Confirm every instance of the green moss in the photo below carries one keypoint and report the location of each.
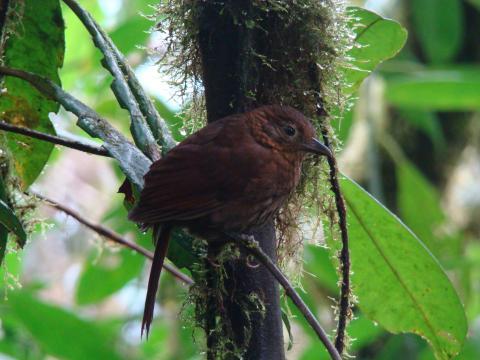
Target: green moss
(209, 288)
(288, 39)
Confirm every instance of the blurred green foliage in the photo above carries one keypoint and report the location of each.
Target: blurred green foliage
(376, 39)
(399, 284)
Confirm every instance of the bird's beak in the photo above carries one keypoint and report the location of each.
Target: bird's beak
(316, 147)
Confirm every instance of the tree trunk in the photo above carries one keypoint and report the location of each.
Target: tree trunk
(227, 62)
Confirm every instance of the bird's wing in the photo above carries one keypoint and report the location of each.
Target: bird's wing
(177, 187)
(187, 183)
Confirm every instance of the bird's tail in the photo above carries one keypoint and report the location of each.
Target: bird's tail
(161, 234)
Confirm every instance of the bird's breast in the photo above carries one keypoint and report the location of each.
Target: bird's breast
(265, 192)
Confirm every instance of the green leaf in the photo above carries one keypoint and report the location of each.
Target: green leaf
(342, 125)
(82, 69)
(439, 27)
(59, 332)
(35, 44)
(180, 250)
(107, 275)
(414, 189)
(288, 326)
(424, 220)
(10, 221)
(317, 262)
(471, 350)
(441, 90)
(173, 120)
(401, 347)
(398, 282)
(131, 33)
(3, 229)
(475, 3)
(3, 242)
(361, 331)
(377, 39)
(427, 122)
(11, 269)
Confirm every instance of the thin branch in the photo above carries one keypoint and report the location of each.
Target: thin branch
(252, 246)
(344, 257)
(141, 132)
(73, 144)
(345, 311)
(132, 161)
(109, 234)
(158, 126)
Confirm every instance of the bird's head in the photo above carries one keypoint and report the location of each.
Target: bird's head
(286, 129)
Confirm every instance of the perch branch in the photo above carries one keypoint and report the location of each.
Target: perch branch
(70, 143)
(121, 86)
(252, 246)
(344, 257)
(132, 161)
(109, 234)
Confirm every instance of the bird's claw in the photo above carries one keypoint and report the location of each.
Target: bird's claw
(247, 239)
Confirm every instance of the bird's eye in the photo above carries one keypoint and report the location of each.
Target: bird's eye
(290, 131)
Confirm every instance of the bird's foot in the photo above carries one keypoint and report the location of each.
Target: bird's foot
(251, 262)
(246, 239)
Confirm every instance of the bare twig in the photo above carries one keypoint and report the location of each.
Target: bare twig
(344, 257)
(252, 246)
(70, 143)
(109, 234)
(141, 132)
(132, 161)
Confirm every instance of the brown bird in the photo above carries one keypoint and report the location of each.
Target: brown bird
(228, 177)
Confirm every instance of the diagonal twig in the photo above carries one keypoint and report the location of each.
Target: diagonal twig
(58, 140)
(132, 161)
(111, 235)
(127, 89)
(252, 246)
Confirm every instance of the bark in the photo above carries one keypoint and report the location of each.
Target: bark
(227, 63)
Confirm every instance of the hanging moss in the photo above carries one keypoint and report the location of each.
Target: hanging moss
(283, 41)
(287, 38)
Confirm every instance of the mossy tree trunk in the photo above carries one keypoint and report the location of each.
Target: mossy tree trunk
(225, 47)
(256, 52)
